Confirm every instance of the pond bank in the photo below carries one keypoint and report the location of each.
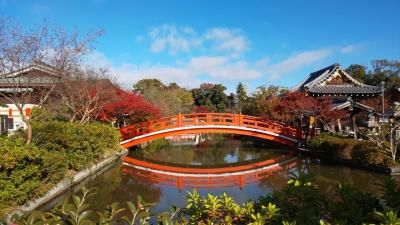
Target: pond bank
(392, 171)
(67, 183)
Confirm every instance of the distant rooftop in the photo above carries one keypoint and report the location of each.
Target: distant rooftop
(36, 74)
(323, 82)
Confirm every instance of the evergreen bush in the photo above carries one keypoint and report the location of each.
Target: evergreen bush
(26, 171)
(81, 145)
(365, 153)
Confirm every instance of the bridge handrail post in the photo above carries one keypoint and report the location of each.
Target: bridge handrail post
(208, 118)
(179, 120)
(240, 120)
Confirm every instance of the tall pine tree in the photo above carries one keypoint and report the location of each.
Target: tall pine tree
(241, 97)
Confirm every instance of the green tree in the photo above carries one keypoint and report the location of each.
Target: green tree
(232, 102)
(146, 84)
(389, 72)
(241, 97)
(171, 99)
(358, 72)
(211, 96)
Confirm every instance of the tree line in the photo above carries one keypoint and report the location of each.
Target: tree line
(78, 92)
(274, 102)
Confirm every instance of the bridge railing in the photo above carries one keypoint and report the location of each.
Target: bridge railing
(204, 119)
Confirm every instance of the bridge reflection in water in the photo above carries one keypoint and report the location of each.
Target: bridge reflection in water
(206, 178)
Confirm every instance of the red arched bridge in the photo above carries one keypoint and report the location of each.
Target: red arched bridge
(210, 123)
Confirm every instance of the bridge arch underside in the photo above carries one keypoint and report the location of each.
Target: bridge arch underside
(267, 135)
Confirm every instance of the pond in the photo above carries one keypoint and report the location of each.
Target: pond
(124, 183)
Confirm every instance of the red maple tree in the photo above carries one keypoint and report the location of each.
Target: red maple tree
(128, 107)
(296, 105)
(200, 109)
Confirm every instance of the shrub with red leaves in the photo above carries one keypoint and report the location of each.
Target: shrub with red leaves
(128, 107)
(200, 109)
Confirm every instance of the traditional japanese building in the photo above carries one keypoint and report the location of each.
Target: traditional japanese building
(27, 83)
(334, 81)
(343, 89)
(346, 93)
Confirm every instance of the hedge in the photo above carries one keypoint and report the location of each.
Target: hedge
(81, 145)
(26, 171)
(365, 153)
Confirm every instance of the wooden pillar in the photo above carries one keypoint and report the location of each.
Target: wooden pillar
(354, 127)
(339, 126)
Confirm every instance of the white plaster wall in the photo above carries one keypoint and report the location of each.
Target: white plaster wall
(18, 123)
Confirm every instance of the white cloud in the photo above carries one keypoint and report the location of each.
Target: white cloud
(350, 48)
(128, 74)
(220, 69)
(173, 39)
(189, 74)
(225, 39)
(296, 62)
(184, 39)
(262, 62)
(97, 59)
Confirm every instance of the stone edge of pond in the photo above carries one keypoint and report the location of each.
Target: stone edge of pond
(65, 184)
(393, 171)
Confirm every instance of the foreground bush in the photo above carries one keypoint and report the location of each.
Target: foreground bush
(26, 171)
(300, 203)
(81, 145)
(29, 171)
(362, 152)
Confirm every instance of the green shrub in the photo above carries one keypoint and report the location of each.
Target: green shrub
(81, 145)
(368, 153)
(26, 171)
(337, 147)
(365, 153)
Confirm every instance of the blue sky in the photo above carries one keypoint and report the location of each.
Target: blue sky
(254, 42)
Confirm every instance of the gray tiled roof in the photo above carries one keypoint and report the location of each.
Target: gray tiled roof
(25, 77)
(315, 83)
(345, 89)
(350, 103)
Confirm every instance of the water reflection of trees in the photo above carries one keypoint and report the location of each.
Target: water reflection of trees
(328, 175)
(276, 180)
(115, 186)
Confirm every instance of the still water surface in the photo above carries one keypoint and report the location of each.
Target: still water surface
(118, 185)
